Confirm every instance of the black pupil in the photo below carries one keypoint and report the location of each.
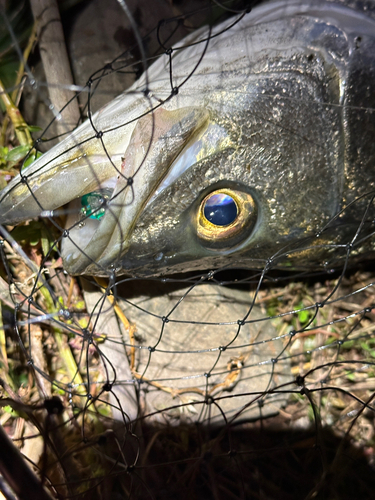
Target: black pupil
(220, 209)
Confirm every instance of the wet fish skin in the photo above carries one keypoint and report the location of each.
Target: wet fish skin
(282, 108)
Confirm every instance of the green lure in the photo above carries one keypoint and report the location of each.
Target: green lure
(94, 204)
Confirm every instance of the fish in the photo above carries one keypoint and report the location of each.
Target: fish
(250, 144)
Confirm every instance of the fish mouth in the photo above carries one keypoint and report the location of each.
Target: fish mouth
(95, 239)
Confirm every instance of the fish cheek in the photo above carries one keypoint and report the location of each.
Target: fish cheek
(186, 241)
(163, 249)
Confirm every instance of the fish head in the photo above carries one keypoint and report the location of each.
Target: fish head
(242, 166)
(189, 188)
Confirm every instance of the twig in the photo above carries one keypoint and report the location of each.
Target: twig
(17, 473)
(21, 70)
(3, 345)
(55, 61)
(39, 361)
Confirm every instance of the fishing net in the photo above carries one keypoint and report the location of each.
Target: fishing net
(222, 383)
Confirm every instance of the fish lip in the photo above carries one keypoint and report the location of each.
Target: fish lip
(46, 187)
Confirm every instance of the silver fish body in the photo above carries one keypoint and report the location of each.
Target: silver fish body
(273, 116)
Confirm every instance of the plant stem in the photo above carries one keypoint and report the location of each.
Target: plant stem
(20, 127)
(16, 94)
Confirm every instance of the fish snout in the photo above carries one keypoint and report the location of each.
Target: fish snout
(102, 187)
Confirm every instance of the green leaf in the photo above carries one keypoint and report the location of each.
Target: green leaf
(350, 376)
(364, 346)
(46, 245)
(31, 233)
(9, 409)
(331, 340)
(31, 159)
(4, 152)
(104, 410)
(303, 316)
(18, 153)
(34, 128)
(348, 344)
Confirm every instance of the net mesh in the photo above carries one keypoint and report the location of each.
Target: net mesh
(223, 383)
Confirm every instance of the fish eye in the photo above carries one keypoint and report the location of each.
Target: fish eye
(220, 209)
(93, 204)
(225, 218)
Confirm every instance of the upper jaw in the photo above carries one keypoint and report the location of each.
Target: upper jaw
(80, 163)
